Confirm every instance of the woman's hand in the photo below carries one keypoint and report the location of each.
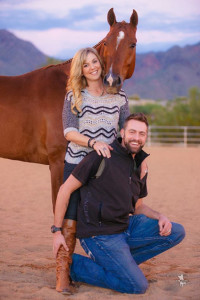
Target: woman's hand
(144, 168)
(102, 148)
(58, 240)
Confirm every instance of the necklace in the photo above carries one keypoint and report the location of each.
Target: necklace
(102, 92)
(98, 95)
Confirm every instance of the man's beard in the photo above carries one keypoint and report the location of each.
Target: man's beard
(131, 149)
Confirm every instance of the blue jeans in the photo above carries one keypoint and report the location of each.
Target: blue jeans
(114, 259)
(71, 212)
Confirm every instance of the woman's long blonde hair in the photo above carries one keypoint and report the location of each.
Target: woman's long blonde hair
(77, 80)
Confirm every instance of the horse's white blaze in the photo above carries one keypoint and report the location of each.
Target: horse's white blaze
(119, 38)
(110, 80)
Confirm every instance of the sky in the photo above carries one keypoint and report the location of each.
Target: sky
(59, 28)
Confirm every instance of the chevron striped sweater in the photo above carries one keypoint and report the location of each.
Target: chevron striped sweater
(101, 118)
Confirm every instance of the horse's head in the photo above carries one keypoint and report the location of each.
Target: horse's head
(117, 50)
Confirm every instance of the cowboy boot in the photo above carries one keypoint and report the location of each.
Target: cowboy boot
(64, 258)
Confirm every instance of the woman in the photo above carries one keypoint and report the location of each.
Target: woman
(91, 118)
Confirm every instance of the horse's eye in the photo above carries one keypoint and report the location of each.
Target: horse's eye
(105, 44)
(133, 45)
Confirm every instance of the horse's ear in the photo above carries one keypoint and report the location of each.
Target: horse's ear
(111, 17)
(134, 18)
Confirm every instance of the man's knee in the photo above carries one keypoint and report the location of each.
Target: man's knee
(179, 232)
(139, 287)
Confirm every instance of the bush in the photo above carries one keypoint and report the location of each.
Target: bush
(183, 111)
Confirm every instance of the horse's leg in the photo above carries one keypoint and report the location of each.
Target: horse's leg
(56, 169)
(55, 144)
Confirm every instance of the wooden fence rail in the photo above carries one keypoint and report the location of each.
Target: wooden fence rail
(174, 135)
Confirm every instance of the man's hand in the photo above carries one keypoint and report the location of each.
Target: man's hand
(165, 225)
(58, 240)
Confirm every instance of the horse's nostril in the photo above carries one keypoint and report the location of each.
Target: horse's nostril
(119, 81)
(105, 82)
(112, 80)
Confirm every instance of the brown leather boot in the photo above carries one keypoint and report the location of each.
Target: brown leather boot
(64, 259)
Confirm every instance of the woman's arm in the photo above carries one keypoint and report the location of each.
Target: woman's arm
(77, 138)
(100, 147)
(124, 110)
(144, 168)
(71, 130)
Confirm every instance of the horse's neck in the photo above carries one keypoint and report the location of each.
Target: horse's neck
(98, 46)
(65, 67)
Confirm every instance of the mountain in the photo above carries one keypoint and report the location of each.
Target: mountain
(165, 75)
(18, 56)
(158, 75)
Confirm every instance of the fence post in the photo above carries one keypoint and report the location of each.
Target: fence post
(185, 136)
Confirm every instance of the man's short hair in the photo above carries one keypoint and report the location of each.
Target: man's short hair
(136, 116)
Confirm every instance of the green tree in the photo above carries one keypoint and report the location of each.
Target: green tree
(52, 61)
(184, 111)
(194, 102)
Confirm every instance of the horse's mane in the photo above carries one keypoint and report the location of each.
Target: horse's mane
(98, 44)
(69, 60)
(58, 65)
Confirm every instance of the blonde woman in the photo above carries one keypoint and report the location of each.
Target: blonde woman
(91, 120)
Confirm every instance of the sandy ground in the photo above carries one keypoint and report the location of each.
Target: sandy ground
(26, 259)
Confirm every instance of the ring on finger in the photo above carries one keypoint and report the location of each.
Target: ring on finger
(104, 148)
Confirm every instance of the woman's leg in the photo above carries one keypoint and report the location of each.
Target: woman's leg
(64, 258)
(71, 212)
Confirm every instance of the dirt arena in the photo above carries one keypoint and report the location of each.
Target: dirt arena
(26, 259)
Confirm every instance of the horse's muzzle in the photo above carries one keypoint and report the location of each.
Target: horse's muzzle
(112, 83)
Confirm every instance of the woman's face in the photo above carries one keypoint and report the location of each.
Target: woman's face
(92, 68)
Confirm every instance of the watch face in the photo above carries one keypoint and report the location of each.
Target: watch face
(54, 228)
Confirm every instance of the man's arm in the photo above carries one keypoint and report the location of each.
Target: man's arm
(65, 191)
(163, 222)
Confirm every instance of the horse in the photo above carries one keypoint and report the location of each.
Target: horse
(31, 104)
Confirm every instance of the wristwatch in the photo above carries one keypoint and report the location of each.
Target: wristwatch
(55, 229)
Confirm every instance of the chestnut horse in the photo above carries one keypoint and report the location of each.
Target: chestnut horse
(31, 104)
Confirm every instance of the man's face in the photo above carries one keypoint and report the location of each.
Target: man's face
(134, 136)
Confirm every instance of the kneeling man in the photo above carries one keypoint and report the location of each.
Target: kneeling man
(116, 229)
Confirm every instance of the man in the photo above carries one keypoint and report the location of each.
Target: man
(116, 229)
